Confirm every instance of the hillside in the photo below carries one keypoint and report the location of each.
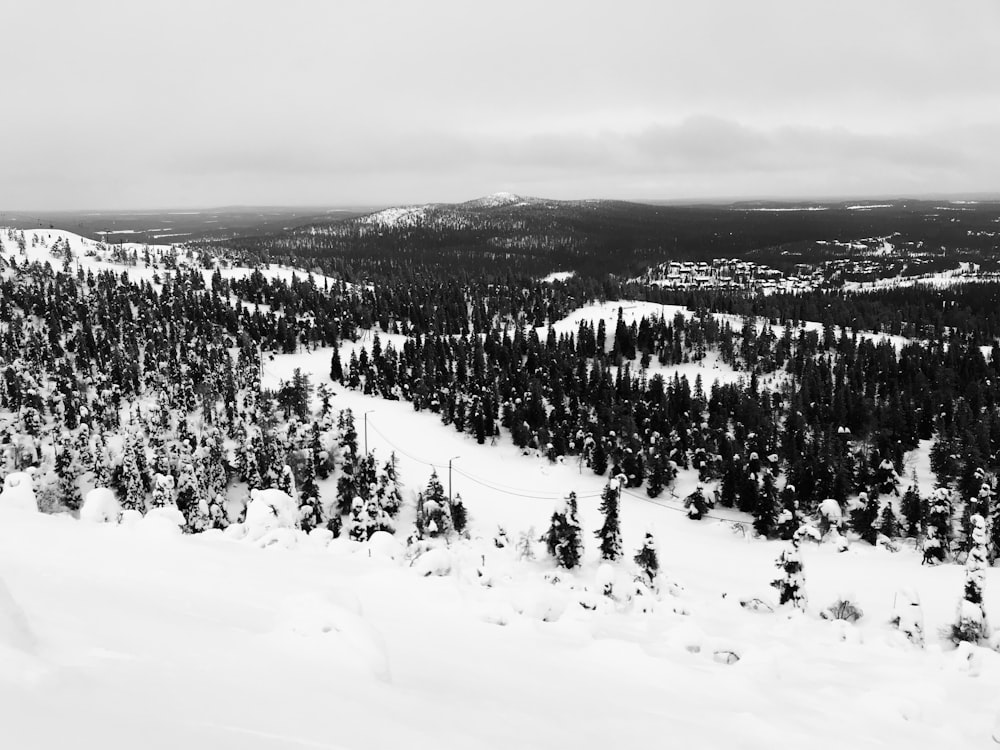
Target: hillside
(223, 484)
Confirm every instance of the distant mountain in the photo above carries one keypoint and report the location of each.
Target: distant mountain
(540, 235)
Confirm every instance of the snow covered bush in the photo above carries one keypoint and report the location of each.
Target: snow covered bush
(791, 583)
(697, 504)
(648, 562)
(908, 616)
(843, 609)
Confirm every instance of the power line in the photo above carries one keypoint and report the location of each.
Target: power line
(485, 483)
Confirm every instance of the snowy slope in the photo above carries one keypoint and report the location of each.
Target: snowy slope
(97, 257)
(143, 638)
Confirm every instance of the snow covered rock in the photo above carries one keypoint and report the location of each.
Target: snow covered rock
(18, 493)
(100, 506)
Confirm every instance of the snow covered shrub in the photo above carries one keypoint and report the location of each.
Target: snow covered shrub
(525, 545)
(697, 504)
(908, 616)
(648, 562)
(791, 584)
(971, 624)
(842, 609)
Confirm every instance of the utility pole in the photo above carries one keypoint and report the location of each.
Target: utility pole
(453, 458)
(366, 429)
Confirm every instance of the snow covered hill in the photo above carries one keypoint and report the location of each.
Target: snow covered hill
(139, 636)
(263, 636)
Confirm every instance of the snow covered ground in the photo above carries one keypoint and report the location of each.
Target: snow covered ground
(121, 637)
(139, 637)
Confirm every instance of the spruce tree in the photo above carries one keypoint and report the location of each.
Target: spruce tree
(938, 540)
(971, 623)
(134, 496)
(610, 531)
(913, 508)
(310, 510)
(564, 540)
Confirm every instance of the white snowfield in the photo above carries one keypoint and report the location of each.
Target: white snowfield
(96, 256)
(124, 636)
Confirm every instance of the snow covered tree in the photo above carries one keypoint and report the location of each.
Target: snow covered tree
(971, 623)
(310, 510)
(791, 583)
(564, 539)
(459, 515)
(389, 493)
(865, 516)
(99, 465)
(361, 527)
(768, 508)
(648, 561)
(163, 491)
(696, 504)
(914, 510)
(610, 532)
(67, 472)
(286, 481)
(134, 496)
(433, 511)
(191, 501)
(938, 540)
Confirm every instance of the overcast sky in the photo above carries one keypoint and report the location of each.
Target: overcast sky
(138, 104)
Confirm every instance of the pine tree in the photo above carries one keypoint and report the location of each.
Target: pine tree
(648, 561)
(765, 516)
(67, 471)
(433, 511)
(286, 481)
(696, 504)
(134, 495)
(191, 501)
(564, 539)
(361, 524)
(99, 465)
(938, 540)
(310, 510)
(390, 496)
(610, 532)
(971, 623)
(163, 491)
(791, 584)
(864, 518)
(913, 508)
(459, 515)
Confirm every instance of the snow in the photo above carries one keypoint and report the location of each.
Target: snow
(165, 641)
(408, 216)
(17, 493)
(95, 256)
(100, 506)
(557, 276)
